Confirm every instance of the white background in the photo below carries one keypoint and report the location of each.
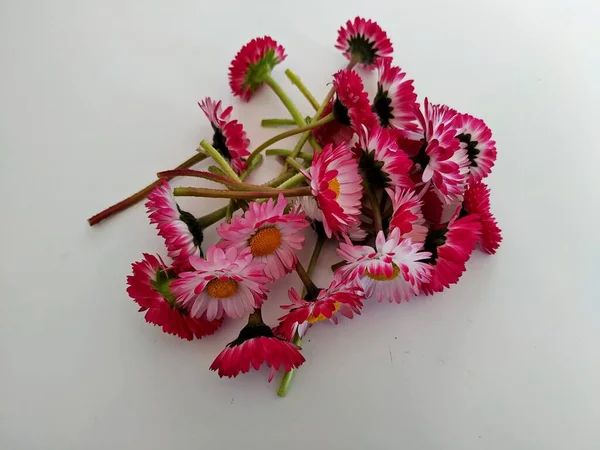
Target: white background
(97, 96)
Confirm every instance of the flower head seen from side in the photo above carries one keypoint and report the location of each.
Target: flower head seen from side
(393, 271)
(342, 297)
(149, 286)
(477, 201)
(363, 41)
(380, 161)
(476, 138)
(396, 100)
(336, 186)
(228, 282)
(334, 132)
(450, 248)
(253, 64)
(407, 215)
(229, 137)
(256, 344)
(180, 229)
(442, 160)
(272, 236)
(351, 106)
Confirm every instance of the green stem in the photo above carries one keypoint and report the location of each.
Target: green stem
(212, 218)
(296, 165)
(287, 102)
(286, 134)
(274, 123)
(374, 206)
(337, 265)
(139, 195)
(235, 185)
(302, 88)
(275, 182)
(287, 377)
(282, 152)
(293, 181)
(224, 165)
(314, 258)
(240, 195)
(312, 291)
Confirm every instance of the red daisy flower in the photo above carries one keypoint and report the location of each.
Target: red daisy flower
(476, 138)
(363, 41)
(255, 345)
(229, 136)
(341, 297)
(443, 162)
(396, 100)
(252, 64)
(407, 215)
(149, 287)
(180, 229)
(477, 201)
(332, 133)
(351, 106)
(381, 162)
(337, 187)
(450, 249)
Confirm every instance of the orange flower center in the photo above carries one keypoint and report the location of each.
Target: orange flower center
(334, 185)
(311, 319)
(265, 241)
(221, 289)
(382, 277)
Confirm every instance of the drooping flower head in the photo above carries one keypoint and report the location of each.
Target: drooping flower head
(476, 138)
(393, 271)
(443, 162)
(253, 64)
(229, 137)
(255, 345)
(149, 286)
(180, 229)
(336, 185)
(272, 236)
(407, 216)
(342, 297)
(334, 132)
(380, 161)
(363, 41)
(351, 105)
(450, 248)
(396, 100)
(477, 201)
(228, 282)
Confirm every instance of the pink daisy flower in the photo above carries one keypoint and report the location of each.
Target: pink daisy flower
(380, 161)
(363, 41)
(228, 282)
(476, 138)
(351, 106)
(272, 236)
(477, 201)
(450, 249)
(229, 136)
(180, 229)
(396, 100)
(255, 345)
(341, 297)
(336, 185)
(393, 271)
(149, 286)
(407, 216)
(252, 64)
(443, 162)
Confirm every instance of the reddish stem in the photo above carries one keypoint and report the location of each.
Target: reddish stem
(140, 195)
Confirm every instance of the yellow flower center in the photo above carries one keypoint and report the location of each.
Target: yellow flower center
(311, 319)
(382, 277)
(265, 241)
(221, 289)
(334, 185)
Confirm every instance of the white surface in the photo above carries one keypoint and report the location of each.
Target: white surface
(98, 96)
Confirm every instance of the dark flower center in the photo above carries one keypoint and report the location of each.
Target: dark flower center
(193, 226)
(341, 112)
(372, 170)
(472, 150)
(422, 158)
(220, 143)
(434, 239)
(381, 107)
(362, 48)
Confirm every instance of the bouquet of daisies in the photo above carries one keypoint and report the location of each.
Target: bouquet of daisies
(397, 183)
